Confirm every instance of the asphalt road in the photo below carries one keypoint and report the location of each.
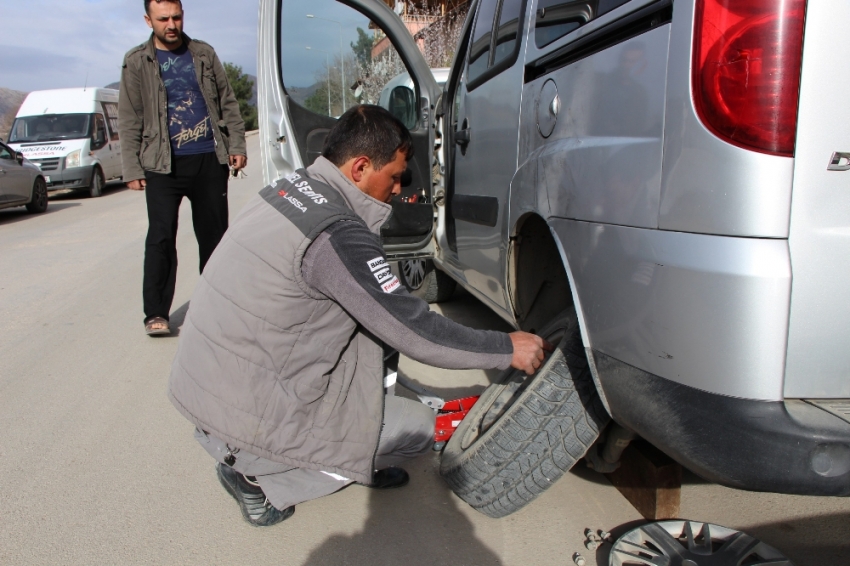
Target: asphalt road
(97, 467)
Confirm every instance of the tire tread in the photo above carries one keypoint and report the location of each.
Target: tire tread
(548, 429)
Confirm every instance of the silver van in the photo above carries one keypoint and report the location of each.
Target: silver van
(660, 186)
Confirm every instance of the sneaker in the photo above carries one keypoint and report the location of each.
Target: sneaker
(389, 478)
(255, 508)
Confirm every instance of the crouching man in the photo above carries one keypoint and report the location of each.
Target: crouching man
(280, 362)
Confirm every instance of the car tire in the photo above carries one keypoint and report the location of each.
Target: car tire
(38, 204)
(422, 279)
(524, 433)
(96, 186)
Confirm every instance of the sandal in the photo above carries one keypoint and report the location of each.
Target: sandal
(157, 326)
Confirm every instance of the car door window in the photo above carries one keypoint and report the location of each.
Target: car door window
(556, 18)
(6, 153)
(333, 57)
(479, 50)
(111, 109)
(490, 52)
(99, 136)
(507, 32)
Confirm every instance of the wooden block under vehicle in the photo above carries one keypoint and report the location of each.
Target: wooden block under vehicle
(650, 480)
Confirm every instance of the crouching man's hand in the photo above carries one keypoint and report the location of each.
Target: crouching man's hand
(528, 351)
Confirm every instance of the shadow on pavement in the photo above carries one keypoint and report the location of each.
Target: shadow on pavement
(112, 187)
(177, 318)
(412, 526)
(12, 215)
(810, 541)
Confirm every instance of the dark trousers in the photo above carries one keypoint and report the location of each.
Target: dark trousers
(203, 180)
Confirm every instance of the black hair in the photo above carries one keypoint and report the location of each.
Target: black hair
(148, 4)
(367, 130)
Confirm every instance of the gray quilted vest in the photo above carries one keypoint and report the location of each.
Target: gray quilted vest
(267, 364)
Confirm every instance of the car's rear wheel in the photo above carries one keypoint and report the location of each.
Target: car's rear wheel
(38, 203)
(424, 280)
(96, 186)
(525, 433)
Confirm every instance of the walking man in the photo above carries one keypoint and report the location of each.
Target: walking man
(280, 361)
(180, 128)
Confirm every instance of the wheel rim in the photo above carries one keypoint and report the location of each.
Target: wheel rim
(413, 271)
(41, 194)
(690, 543)
(512, 389)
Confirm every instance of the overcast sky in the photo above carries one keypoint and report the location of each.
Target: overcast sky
(55, 43)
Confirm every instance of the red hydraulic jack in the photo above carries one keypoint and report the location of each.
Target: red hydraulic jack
(449, 413)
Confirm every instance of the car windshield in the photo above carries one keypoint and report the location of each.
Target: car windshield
(50, 127)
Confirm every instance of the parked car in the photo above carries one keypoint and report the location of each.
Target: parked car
(617, 175)
(72, 135)
(21, 182)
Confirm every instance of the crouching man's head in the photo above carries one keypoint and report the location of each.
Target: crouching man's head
(371, 147)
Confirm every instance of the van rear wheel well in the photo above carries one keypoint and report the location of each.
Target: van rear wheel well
(540, 288)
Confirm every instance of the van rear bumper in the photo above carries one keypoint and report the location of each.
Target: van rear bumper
(786, 446)
(74, 178)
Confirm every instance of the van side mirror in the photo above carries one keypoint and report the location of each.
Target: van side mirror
(99, 139)
(19, 157)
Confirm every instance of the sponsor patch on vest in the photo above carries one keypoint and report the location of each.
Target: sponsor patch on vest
(381, 270)
(303, 186)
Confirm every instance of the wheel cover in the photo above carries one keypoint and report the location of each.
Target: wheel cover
(413, 271)
(690, 543)
(40, 194)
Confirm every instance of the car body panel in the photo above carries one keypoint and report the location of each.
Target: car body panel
(818, 364)
(16, 179)
(602, 161)
(709, 185)
(709, 312)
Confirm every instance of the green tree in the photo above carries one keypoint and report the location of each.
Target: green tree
(243, 88)
(362, 48)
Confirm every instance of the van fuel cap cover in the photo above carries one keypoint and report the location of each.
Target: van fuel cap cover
(548, 107)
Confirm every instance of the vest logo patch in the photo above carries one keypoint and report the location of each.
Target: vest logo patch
(383, 274)
(294, 201)
(304, 187)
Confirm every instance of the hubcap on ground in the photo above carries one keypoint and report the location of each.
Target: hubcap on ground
(690, 543)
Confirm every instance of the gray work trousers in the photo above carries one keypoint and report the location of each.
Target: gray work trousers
(408, 431)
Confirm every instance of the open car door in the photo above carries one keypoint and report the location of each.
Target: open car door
(316, 59)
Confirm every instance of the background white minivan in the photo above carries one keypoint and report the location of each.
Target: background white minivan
(72, 135)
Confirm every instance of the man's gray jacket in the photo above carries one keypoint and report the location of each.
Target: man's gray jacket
(280, 354)
(143, 109)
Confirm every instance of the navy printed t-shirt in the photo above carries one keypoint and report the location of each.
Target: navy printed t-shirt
(188, 118)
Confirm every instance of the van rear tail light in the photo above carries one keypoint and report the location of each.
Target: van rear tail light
(746, 71)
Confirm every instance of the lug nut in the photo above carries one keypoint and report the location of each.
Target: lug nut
(590, 535)
(579, 559)
(592, 544)
(604, 535)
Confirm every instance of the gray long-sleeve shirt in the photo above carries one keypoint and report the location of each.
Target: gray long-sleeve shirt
(346, 263)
